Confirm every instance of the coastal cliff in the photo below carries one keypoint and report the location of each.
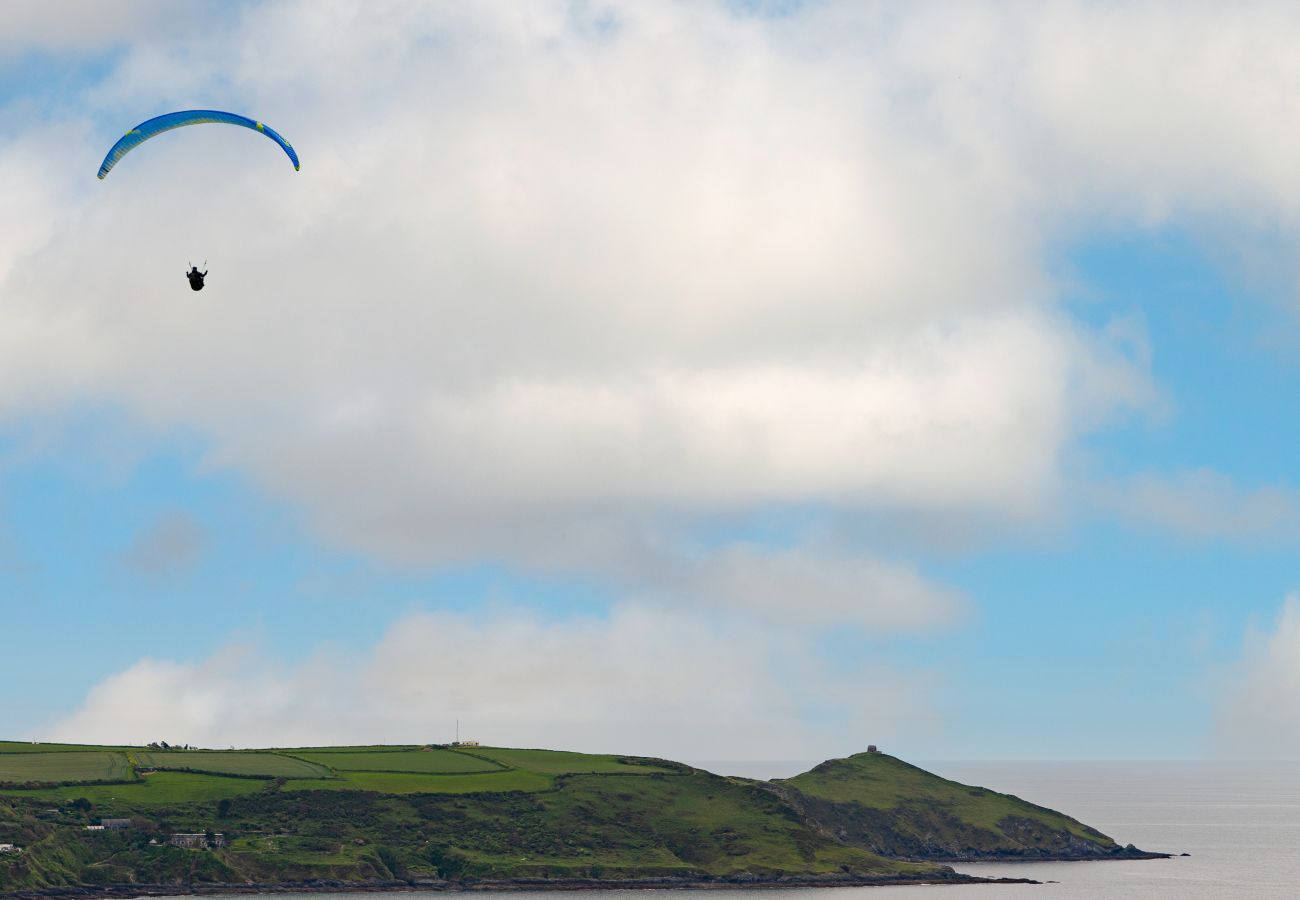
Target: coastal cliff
(880, 803)
(387, 818)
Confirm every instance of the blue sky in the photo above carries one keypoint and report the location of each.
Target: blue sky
(838, 420)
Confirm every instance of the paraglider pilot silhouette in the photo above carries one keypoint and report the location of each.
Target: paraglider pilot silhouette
(196, 277)
(169, 121)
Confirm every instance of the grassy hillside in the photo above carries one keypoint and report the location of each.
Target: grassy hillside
(426, 814)
(876, 801)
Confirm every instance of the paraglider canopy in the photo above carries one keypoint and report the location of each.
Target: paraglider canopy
(157, 125)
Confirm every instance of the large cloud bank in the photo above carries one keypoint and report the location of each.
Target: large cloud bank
(558, 283)
(528, 288)
(671, 684)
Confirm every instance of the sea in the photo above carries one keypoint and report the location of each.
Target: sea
(1240, 823)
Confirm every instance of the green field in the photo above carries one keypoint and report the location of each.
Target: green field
(427, 761)
(417, 783)
(71, 765)
(234, 762)
(28, 747)
(158, 789)
(364, 748)
(563, 762)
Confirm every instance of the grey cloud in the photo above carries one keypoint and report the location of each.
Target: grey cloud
(809, 586)
(77, 27)
(1205, 504)
(172, 545)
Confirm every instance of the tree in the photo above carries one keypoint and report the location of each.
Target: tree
(390, 861)
(447, 860)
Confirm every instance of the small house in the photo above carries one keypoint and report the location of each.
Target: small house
(116, 824)
(94, 827)
(8, 848)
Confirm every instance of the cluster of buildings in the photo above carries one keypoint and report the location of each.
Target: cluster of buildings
(198, 841)
(204, 841)
(110, 825)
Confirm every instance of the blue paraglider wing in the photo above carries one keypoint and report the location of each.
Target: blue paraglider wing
(157, 125)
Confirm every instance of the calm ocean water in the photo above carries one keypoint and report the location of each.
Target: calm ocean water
(1240, 822)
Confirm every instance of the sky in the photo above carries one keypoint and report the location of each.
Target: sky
(710, 380)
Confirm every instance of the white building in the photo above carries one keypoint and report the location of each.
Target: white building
(8, 848)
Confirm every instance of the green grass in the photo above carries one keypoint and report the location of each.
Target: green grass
(427, 761)
(236, 762)
(416, 783)
(72, 765)
(881, 781)
(562, 762)
(298, 850)
(361, 748)
(28, 747)
(159, 789)
(669, 824)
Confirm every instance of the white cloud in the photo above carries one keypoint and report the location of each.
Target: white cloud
(1202, 503)
(1258, 713)
(641, 681)
(525, 283)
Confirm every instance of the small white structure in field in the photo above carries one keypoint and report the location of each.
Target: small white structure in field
(8, 848)
(94, 827)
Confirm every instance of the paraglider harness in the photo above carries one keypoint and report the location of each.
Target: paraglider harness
(196, 277)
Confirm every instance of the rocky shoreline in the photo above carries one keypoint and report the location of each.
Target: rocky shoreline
(127, 891)
(1119, 853)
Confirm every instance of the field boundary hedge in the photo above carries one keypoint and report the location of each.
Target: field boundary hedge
(47, 785)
